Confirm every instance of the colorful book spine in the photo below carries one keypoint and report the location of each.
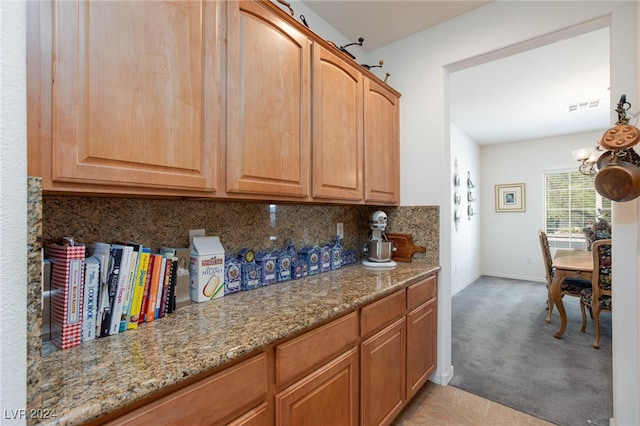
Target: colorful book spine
(145, 293)
(67, 291)
(163, 275)
(90, 297)
(153, 288)
(173, 285)
(133, 269)
(123, 277)
(115, 260)
(165, 288)
(138, 289)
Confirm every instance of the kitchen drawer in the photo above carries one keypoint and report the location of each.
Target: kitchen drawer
(307, 352)
(419, 293)
(381, 313)
(208, 401)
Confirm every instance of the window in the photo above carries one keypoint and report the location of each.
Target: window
(571, 204)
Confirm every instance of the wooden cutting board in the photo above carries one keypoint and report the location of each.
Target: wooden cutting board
(403, 247)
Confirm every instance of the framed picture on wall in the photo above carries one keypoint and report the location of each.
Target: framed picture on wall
(510, 198)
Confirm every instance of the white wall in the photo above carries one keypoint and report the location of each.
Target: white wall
(13, 212)
(465, 240)
(509, 240)
(417, 65)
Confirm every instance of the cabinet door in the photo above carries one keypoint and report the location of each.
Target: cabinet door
(421, 346)
(337, 127)
(135, 94)
(383, 375)
(328, 396)
(267, 148)
(381, 144)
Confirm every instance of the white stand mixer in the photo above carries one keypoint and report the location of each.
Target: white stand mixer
(377, 250)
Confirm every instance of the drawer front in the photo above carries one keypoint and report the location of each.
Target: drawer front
(209, 400)
(421, 292)
(383, 312)
(307, 352)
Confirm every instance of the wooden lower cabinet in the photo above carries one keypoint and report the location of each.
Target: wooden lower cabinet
(259, 416)
(383, 379)
(328, 396)
(421, 346)
(218, 399)
(359, 369)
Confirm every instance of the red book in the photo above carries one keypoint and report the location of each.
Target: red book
(67, 272)
(145, 294)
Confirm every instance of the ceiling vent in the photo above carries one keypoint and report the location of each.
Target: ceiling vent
(581, 106)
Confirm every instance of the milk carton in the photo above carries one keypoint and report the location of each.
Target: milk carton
(206, 269)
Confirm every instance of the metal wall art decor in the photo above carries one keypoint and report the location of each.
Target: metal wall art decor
(510, 198)
(457, 199)
(470, 197)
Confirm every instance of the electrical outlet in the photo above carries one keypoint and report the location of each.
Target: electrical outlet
(340, 230)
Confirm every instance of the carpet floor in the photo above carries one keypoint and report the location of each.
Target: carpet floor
(503, 350)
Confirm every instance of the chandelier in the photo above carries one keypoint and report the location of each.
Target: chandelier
(588, 157)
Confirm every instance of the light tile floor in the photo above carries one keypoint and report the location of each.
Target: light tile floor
(437, 405)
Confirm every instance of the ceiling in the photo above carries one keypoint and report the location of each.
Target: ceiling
(518, 97)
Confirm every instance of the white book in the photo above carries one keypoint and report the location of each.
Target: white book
(124, 317)
(90, 297)
(101, 251)
(123, 277)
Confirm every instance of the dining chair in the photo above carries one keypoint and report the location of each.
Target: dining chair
(572, 286)
(598, 297)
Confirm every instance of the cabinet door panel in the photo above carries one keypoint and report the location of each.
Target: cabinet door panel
(269, 101)
(328, 396)
(337, 127)
(210, 400)
(421, 346)
(381, 144)
(306, 352)
(130, 105)
(384, 375)
(421, 292)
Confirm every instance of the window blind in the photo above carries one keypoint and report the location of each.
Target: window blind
(571, 204)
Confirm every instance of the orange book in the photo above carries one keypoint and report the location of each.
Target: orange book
(154, 287)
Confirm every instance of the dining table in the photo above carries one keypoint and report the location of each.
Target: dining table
(568, 263)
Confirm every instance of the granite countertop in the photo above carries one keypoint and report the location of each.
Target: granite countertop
(104, 375)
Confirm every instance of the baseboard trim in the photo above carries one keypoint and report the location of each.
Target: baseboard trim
(442, 378)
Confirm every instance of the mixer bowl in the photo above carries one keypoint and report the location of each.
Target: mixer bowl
(378, 251)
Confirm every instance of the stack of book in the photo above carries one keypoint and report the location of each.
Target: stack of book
(116, 288)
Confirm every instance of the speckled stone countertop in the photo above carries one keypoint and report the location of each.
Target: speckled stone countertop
(101, 376)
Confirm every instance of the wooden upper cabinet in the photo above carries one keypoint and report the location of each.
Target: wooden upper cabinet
(337, 127)
(134, 96)
(268, 127)
(381, 143)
